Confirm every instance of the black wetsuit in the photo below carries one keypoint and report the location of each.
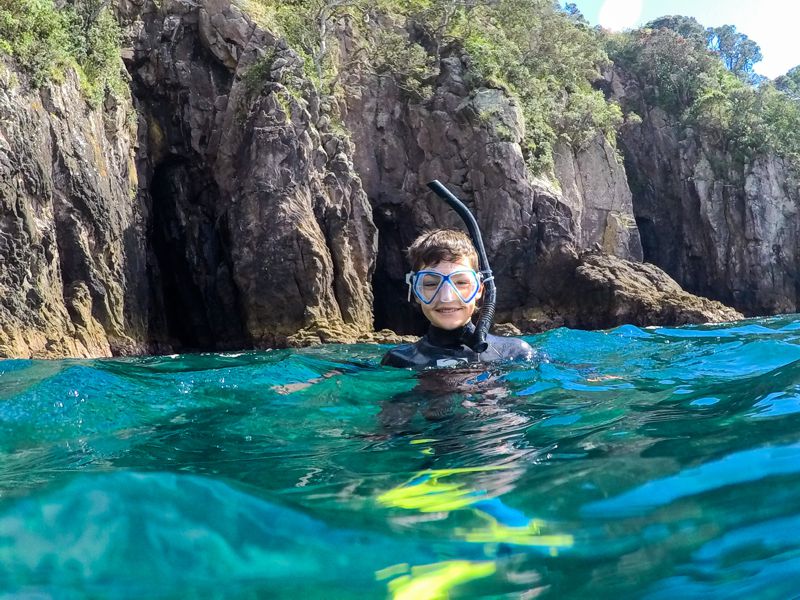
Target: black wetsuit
(444, 348)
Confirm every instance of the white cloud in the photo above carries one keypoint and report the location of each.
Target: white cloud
(619, 14)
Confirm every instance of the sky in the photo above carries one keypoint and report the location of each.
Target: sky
(773, 24)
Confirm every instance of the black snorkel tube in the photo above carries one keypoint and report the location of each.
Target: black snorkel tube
(477, 339)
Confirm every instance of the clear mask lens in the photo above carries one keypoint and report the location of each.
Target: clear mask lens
(428, 284)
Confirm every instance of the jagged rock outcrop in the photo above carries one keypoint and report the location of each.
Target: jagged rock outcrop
(610, 291)
(613, 291)
(271, 232)
(71, 236)
(595, 187)
(723, 226)
(235, 214)
(240, 223)
(607, 291)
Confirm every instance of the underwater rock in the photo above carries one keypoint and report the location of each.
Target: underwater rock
(183, 532)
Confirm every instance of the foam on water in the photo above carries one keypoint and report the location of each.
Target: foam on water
(655, 462)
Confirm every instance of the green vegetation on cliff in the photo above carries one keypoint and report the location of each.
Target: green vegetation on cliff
(704, 80)
(45, 40)
(544, 57)
(548, 59)
(790, 83)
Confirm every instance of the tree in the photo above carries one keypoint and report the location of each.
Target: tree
(575, 14)
(738, 52)
(672, 69)
(789, 84)
(687, 27)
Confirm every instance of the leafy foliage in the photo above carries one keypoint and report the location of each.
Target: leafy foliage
(688, 28)
(737, 51)
(548, 58)
(790, 83)
(45, 40)
(709, 90)
(545, 57)
(36, 35)
(670, 68)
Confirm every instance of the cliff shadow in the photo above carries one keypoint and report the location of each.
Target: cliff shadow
(392, 309)
(189, 244)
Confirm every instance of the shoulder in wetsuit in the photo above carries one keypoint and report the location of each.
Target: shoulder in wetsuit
(444, 348)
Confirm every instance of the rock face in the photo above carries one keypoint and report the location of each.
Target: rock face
(241, 222)
(607, 291)
(722, 227)
(470, 139)
(71, 236)
(238, 214)
(612, 291)
(595, 187)
(264, 229)
(533, 234)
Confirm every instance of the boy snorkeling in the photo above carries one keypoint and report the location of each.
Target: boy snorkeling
(447, 284)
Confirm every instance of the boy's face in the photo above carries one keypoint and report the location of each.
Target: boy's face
(447, 310)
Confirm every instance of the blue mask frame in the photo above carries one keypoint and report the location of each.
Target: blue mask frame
(412, 278)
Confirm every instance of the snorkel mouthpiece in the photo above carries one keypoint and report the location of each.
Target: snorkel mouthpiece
(476, 339)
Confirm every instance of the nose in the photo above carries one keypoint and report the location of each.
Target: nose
(446, 294)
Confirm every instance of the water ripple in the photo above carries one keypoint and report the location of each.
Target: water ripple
(625, 463)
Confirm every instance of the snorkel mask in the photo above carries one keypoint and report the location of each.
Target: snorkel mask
(427, 285)
(475, 339)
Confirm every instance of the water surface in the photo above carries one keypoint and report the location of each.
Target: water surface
(653, 463)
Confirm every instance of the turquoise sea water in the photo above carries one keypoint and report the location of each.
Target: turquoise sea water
(655, 463)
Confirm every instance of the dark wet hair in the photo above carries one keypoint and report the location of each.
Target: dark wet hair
(441, 245)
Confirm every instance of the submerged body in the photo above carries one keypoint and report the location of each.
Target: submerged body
(447, 286)
(445, 348)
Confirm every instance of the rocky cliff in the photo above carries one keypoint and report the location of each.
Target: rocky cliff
(723, 225)
(72, 252)
(229, 204)
(536, 230)
(261, 227)
(402, 144)
(595, 187)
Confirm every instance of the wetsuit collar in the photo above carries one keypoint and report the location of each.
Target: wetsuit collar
(449, 338)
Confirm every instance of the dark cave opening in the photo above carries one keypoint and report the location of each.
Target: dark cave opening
(392, 310)
(648, 234)
(189, 243)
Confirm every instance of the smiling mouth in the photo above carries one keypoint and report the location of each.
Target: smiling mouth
(447, 310)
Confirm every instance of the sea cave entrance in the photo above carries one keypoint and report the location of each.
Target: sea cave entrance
(192, 265)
